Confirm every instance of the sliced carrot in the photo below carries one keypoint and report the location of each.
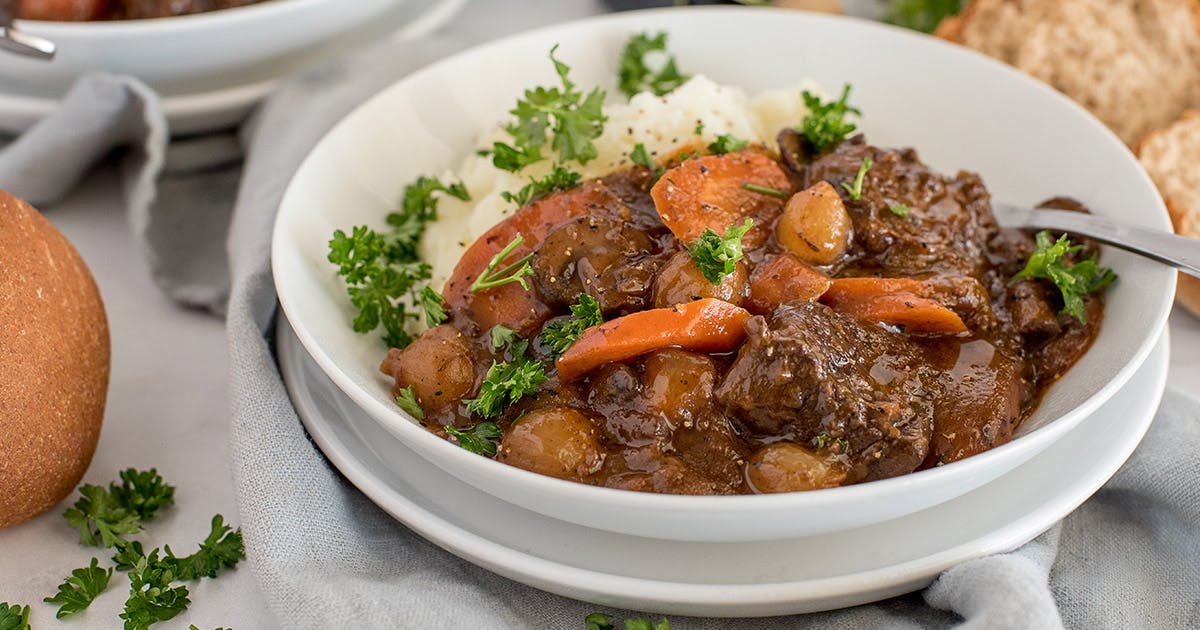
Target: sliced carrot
(510, 304)
(849, 289)
(893, 301)
(784, 279)
(709, 193)
(708, 325)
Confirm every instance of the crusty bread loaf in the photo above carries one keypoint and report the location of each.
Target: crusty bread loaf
(1172, 157)
(1135, 64)
(54, 362)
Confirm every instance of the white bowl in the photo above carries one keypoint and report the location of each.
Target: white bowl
(229, 57)
(959, 109)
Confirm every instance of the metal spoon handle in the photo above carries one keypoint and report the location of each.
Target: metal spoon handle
(1180, 252)
(15, 41)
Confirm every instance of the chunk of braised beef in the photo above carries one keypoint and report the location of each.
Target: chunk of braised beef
(604, 256)
(809, 371)
(908, 219)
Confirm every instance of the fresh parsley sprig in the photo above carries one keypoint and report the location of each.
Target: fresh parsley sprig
(433, 305)
(417, 208)
(726, 143)
(716, 256)
(505, 384)
(77, 591)
(514, 272)
(640, 156)
(573, 119)
(559, 178)
(826, 126)
(380, 270)
(407, 400)
(104, 516)
(602, 621)
(855, 191)
(560, 334)
(151, 596)
(478, 439)
(1049, 261)
(635, 73)
(14, 616)
(921, 15)
(221, 549)
(837, 445)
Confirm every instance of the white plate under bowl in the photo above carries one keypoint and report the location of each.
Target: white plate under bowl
(733, 579)
(209, 68)
(960, 109)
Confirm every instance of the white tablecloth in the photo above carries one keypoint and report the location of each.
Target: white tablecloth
(168, 404)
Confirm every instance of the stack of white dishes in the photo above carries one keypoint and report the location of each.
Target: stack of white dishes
(209, 68)
(745, 555)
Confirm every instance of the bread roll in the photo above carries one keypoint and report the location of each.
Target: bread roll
(54, 362)
(1172, 158)
(1135, 64)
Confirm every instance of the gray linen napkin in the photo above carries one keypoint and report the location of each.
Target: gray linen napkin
(326, 556)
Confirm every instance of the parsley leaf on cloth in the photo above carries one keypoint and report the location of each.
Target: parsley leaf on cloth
(77, 591)
(222, 549)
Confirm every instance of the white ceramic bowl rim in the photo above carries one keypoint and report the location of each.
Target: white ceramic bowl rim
(833, 498)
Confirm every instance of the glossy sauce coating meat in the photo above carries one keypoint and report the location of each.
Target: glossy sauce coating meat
(877, 331)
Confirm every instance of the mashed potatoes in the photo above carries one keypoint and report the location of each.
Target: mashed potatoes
(664, 125)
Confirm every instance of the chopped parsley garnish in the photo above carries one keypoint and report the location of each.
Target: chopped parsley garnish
(635, 73)
(515, 272)
(381, 269)
(560, 178)
(417, 208)
(1049, 262)
(764, 190)
(77, 592)
(433, 304)
(640, 156)
(128, 553)
(221, 549)
(899, 210)
(151, 597)
(477, 439)
(726, 143)
(601, 621)
(837, 445)
(560, 334)
(407, 400)
(699, 128)
(14, 616)
(855, 191)
(104, 516)
(826, 126)
(505, 384)
(921, 15)
(575, 121)
(502, 336)
(716, 256)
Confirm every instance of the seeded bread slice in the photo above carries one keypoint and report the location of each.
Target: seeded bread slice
(1135, 64)
(1172, 157)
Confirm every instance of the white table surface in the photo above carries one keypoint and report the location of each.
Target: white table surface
(168, 404)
